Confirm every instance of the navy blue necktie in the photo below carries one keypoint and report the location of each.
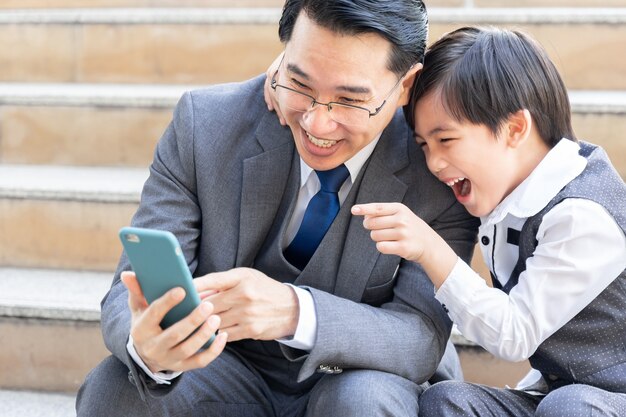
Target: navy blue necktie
(318, 217)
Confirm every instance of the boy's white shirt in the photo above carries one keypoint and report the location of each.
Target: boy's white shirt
(580, 235)
(306, 330)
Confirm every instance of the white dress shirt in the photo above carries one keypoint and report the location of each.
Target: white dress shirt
(581, 250)
(305, 335)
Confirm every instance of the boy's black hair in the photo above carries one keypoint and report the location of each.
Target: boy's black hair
(485, 74)
(404, 23)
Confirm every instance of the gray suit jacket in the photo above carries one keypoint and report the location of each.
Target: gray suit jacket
(217, 180)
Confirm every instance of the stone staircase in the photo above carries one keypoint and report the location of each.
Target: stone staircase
(86, 91)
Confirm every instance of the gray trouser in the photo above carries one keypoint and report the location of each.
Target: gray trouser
(452, 398)
(228, 388)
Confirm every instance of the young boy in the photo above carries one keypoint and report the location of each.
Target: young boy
(492, 116)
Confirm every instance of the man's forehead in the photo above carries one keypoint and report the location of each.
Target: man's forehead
(352, 71)
(312, 40)
(350, 88)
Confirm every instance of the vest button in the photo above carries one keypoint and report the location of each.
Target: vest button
(484, 240)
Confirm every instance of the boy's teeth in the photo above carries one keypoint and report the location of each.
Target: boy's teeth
(452, 182)
(321, 142)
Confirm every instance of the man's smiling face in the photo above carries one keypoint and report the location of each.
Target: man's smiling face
(331, 67)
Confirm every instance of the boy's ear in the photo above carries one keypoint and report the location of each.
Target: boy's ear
(518, 127)
(407, 84)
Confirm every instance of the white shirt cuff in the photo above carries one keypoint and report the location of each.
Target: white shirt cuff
(159, 377)
(306, 331)
(456, 292)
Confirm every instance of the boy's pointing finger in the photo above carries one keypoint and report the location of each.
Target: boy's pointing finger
(375, 209)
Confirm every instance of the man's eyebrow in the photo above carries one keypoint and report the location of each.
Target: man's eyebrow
(354, 89)
(347, 88)
(296, 70)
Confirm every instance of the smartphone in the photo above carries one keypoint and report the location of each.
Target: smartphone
(159, 264)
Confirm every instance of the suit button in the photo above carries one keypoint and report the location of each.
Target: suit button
(484, 240)
(553, 377)
(328, 369)
(324, 369)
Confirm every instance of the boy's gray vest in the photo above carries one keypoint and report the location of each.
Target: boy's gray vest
(591, 347)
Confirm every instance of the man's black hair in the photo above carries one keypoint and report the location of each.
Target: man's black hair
(404, 23)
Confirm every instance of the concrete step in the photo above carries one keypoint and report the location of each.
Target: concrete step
(49, 331)
(543, 3)
(65, 217)
(68, 217)
(36, 404)
(482, 367)
(138, 45)
(40, 4)
(567, 34)
(60, 4)
(118, 125)
(49, 327)
(85, 125)
(208, 45)
(52, 294)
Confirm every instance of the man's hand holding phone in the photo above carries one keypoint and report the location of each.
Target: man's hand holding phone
(170, 327)
(177, 348)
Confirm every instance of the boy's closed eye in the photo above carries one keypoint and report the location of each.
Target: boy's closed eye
(446, 140)
(419, 140)
(422, 143)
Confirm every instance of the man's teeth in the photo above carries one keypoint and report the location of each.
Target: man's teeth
(452, 182)
(321, 142)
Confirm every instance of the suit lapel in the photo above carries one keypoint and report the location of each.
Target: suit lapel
(264, 182)
(378, 184)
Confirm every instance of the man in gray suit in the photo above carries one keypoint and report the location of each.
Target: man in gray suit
(329, 328)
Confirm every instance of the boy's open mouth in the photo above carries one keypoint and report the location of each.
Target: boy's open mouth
(461, 186)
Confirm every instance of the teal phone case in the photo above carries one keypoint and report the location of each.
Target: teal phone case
(159, 263)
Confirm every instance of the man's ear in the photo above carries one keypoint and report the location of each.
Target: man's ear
(407, 84)
(517, 128)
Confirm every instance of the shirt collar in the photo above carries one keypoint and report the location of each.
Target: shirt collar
(558, 168)
(353, 164)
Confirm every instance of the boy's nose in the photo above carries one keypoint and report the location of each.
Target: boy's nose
(435, 162)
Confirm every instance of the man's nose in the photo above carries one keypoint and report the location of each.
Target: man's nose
(318, 120)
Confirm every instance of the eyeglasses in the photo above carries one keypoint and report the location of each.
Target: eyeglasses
(342, 113)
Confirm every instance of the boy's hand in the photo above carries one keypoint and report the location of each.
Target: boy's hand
(395, 229)
(398, 231)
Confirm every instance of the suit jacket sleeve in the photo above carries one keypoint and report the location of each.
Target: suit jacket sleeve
(167, 197)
